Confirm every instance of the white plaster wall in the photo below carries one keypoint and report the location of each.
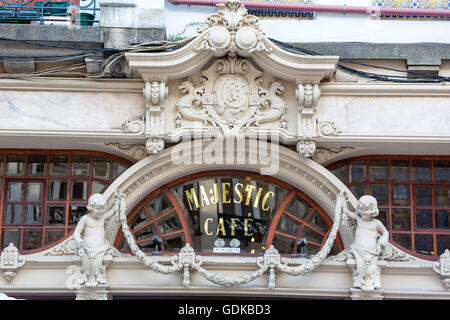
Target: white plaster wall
(410, 116)
(353, 115)
(67, 110)
(333, 27)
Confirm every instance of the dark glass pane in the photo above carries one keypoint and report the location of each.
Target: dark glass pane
(423, 197)
(318, 222)
(37, 165)
(359, 191)
(424, 219)
(401, 219)
(15, 191)
(403, 240)
(79, 190)
(33, 214)
(101, 168)
(15, 165)
(32, 239)
(443, 243)
(341, 173)
(169, 224)
(357, 171)
(378, 170)
(53, 235)
(283, 245)
(13, 214)
(56, 214)
(10, 236)
(75, 213)
(174, 243)
(423, 244)
(400, 195)
(35, 191)
(381, 193)
(383, 216)
(442, 197)
(123, 246)
(311, 235)
(288, 225)
(299, 208)
(148, 246)
(118, 169)
(57, 190)
(399, 170)
(80, 166)
(441, 171)
(145, 233)
(1, 164)
(311, 249)
(443, 219)
(140, 219)
(59, 165)
(99, 187)
(421, 170)
(159, 205)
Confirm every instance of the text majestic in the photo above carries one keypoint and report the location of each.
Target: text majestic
(247, 194)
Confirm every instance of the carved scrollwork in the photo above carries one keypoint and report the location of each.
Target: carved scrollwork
(136, 126)
(232, 30)
(231, 95)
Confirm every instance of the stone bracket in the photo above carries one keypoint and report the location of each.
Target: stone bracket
(10, 262)
(152, 123)
(442, 267)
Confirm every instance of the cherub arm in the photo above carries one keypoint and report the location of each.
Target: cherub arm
(349, 213)
(78, 230)
(384, 236)
(113, 210)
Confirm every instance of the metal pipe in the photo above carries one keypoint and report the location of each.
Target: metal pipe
(322, 8)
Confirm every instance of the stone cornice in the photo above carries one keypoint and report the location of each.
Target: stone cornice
(136, 86)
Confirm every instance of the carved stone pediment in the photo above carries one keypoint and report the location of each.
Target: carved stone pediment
(231, 95)
(243, 82)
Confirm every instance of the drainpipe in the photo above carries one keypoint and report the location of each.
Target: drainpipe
(322, 8)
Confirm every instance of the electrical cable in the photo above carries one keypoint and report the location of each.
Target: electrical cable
(422, 77)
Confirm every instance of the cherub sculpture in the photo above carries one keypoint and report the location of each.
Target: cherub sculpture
(90, 237)
(371, 238)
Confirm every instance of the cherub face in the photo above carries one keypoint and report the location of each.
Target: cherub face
(367, 207)
(96, 205)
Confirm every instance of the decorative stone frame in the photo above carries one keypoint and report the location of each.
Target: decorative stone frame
(157, 170)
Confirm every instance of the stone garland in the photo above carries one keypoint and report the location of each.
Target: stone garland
(187, 260)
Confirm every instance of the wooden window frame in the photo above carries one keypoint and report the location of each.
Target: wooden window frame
(68, 229)
(412, 197)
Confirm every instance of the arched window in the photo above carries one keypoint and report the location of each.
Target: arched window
(228, 212)
(43, 194)
(413, 194)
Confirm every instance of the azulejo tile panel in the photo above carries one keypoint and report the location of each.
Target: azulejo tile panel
(413, 4)
(270, 14)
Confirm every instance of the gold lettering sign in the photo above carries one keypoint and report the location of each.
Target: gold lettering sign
(248, 195)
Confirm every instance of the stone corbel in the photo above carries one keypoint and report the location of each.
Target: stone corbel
(307, 94)
(155, 93)
(10, 262)
(152, 124)
(442, 267)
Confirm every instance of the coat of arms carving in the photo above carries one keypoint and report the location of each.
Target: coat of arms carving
(231, 96)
